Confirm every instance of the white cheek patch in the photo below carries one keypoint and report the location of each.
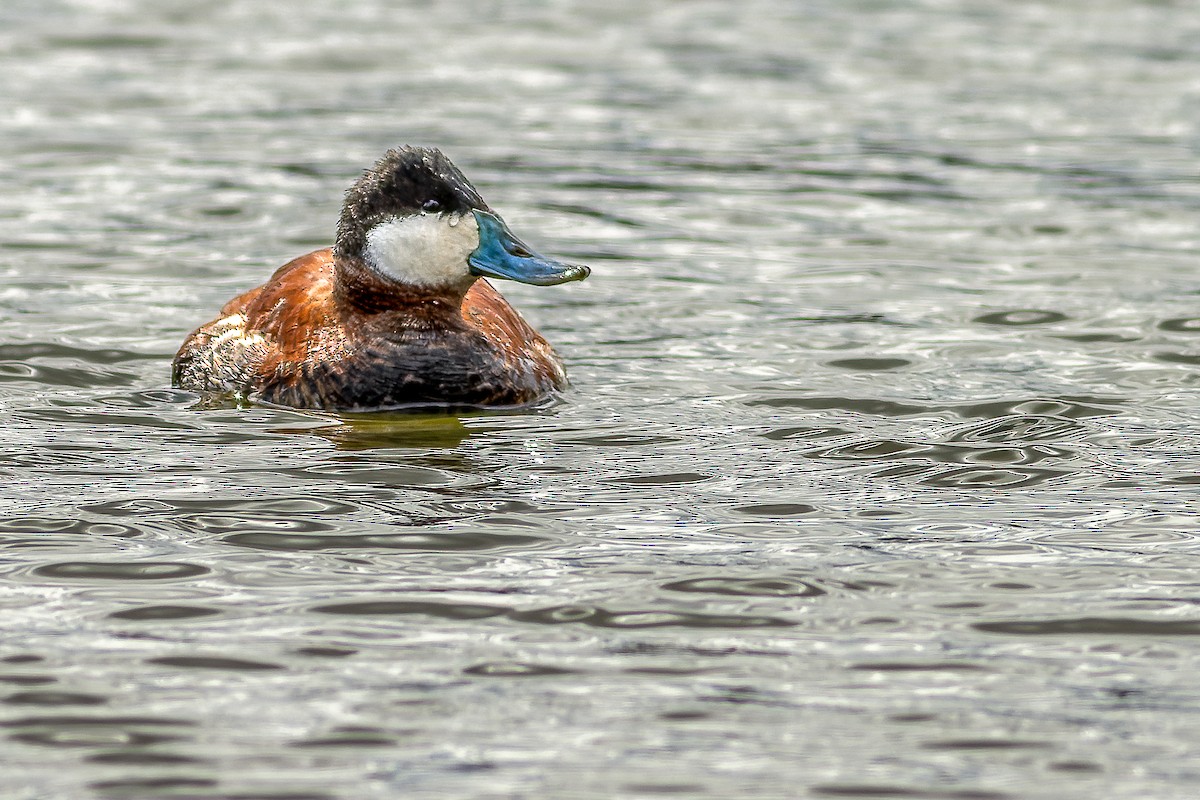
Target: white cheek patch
(428, 250)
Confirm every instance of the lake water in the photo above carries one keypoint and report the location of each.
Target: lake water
(877, 478)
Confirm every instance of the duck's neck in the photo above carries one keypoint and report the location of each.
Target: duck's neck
(361, 290)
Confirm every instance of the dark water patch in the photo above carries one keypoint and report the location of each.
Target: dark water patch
(803, 432)
(1093, 626)
(27, 680)
(222, 211)
(325, 652)
(117, 571)
(140, 758)
(665, 789)
(1181, 325)
(1187, 359)
(213, 662)
(513, 669)
(1075, 766)
(872, 791)
(885, 408)
(107, 41)
(912, 718)
(303, 169)
(80, 377)
(267, 507)
(978, 477)
(986, 744)
(747, 696)
(472, 767)
(54, 699)
(620, 440)
(666, 479)
(860, 585)
(684, 716)
(895, 666)
(94, 418)
(105, 355)
(51, 243)
(1020, 317)
(910, 195)
(881, 186)
(152, 787)
(747, 587)
(988, 163)
(1183, 480)
(613, 183)
(1095, 338)
(166, 612)
(68, 736)
(776, 510)
(392, 608)
(58, 525)
(350, 738)
(602, 618)
(185, 789)
(240, 438)
(48, 460)
(602, 214)
(869, 364)
(844, 319)
(92, 732)
(427, 542)
(22, 658)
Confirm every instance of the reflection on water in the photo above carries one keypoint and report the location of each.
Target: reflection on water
(370, 432)
(875, 481)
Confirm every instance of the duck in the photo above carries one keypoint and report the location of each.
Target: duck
(399, 313)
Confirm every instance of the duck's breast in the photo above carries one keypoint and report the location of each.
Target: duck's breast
(524, 350)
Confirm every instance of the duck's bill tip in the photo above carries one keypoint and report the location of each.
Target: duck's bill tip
(529, 269)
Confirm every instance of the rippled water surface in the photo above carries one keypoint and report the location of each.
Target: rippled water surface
(877, 477)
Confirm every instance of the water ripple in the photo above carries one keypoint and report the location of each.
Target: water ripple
(555, 615)
(121, 571)
(459, 541)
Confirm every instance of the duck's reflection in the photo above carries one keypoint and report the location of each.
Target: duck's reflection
(381, 431)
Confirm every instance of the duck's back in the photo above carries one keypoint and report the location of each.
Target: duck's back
(291, 342)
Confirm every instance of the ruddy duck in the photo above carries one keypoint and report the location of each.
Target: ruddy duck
(396, 314)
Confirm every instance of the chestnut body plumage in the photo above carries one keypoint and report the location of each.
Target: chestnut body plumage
(396, 314)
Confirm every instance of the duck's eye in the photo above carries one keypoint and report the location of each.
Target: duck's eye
(431, 207)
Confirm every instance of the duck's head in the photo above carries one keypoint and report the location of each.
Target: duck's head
(413, 219)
